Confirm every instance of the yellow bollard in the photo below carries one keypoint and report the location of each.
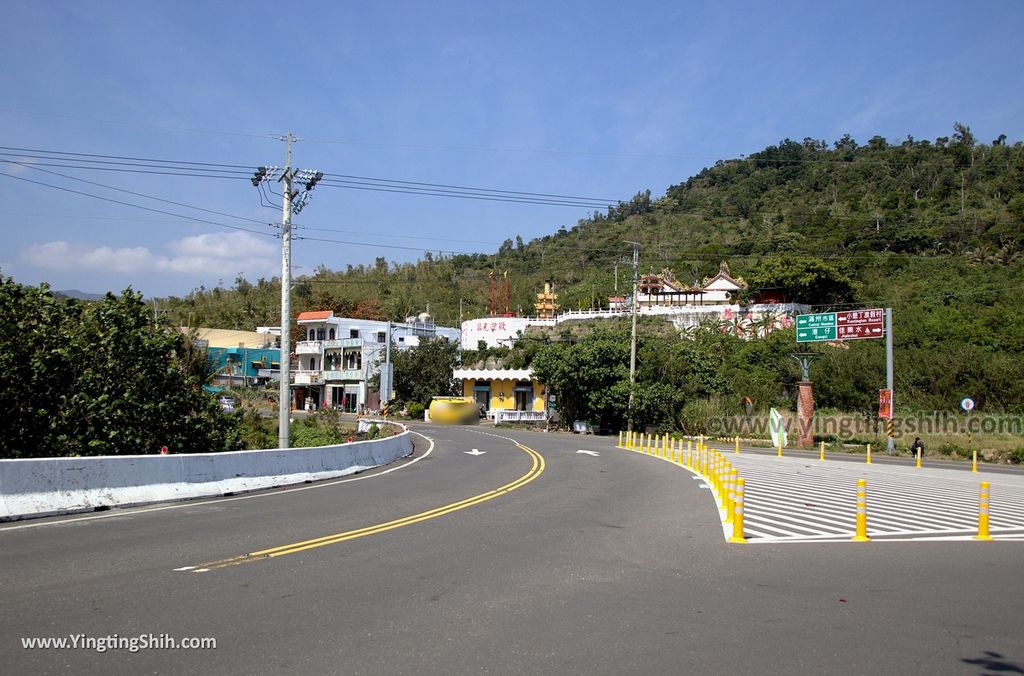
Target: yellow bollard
(862, 511)
(737, 444)
(779, 453)
(821, 453)
(983, 513)
(868, 461)
(974, 461)
(918, 465)
(730, 495)
(737, 514)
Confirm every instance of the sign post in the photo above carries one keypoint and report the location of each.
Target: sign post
(968, 405)
(855, 325)
(890, 444)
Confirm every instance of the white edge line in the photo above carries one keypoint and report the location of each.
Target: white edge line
(256, 494)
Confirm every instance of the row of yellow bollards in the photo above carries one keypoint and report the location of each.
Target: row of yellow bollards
(728, 487)
(722, 478)
(861, 530)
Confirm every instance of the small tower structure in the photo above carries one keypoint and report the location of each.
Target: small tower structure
(546, 305)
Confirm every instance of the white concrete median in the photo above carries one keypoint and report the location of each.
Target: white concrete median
(43, 486)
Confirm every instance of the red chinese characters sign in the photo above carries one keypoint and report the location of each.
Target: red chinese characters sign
(885, 404)
(490, 326)
(857, 324)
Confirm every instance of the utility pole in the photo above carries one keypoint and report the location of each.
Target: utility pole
(385, 373)
(632, 339)
(284, 411)
(288, 205)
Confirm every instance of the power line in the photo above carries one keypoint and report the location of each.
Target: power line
(136, 206)
(470, 196)
(377, 232)
(145, 165)
(388, 246)
(132, 192)
(463, 187)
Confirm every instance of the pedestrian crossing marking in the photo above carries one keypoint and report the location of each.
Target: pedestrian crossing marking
(793, 500)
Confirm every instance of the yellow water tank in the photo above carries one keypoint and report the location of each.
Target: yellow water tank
(454, 411)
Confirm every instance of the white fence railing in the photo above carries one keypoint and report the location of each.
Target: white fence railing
(502, 415)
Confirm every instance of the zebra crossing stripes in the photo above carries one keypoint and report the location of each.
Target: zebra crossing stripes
(801, 500)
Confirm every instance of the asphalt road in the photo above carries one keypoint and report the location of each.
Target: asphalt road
(612, 563)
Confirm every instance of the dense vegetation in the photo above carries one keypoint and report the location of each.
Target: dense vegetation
(933, 229)
(99, 378)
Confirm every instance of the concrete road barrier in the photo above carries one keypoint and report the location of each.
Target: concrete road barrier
(45, 486)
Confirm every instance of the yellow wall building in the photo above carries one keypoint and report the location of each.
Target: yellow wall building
(504, 390)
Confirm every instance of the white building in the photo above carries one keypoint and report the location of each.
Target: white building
(686, 306)
(337, 356)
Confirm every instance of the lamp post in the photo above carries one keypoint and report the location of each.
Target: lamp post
(805, 398)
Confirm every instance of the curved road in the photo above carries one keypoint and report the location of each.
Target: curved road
(526, 557)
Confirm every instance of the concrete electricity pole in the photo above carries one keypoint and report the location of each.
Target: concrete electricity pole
(288, 205)
(284, 411)
(632, 338)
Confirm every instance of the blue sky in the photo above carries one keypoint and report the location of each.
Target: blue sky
(593, 99)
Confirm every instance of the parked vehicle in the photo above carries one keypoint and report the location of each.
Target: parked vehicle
(454, 411)
(227, 404)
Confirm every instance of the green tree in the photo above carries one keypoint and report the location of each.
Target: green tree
(590, 378)
(98, 379)
(802, 279)
(424, 371)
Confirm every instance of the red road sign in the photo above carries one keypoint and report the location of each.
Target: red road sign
(857, 324)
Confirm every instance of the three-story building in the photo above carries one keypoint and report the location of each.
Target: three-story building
(336, 357)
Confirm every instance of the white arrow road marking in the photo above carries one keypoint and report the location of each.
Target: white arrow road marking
(593, 453)
(474, 452)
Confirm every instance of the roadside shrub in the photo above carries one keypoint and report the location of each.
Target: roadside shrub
(255, 431)
(1016, 456)
(415, 410)
(323, 428)
(702, 416)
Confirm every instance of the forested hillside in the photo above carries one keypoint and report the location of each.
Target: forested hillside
(933, 229)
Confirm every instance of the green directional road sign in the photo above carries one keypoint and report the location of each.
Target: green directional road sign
(812, 328)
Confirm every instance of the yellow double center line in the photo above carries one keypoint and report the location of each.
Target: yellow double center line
(295, 547)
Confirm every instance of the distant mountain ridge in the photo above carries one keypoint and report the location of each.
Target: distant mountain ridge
(80, 295)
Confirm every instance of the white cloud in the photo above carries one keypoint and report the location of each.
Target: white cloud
(212, 254)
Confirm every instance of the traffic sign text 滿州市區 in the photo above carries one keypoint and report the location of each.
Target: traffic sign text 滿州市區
(845, 325)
